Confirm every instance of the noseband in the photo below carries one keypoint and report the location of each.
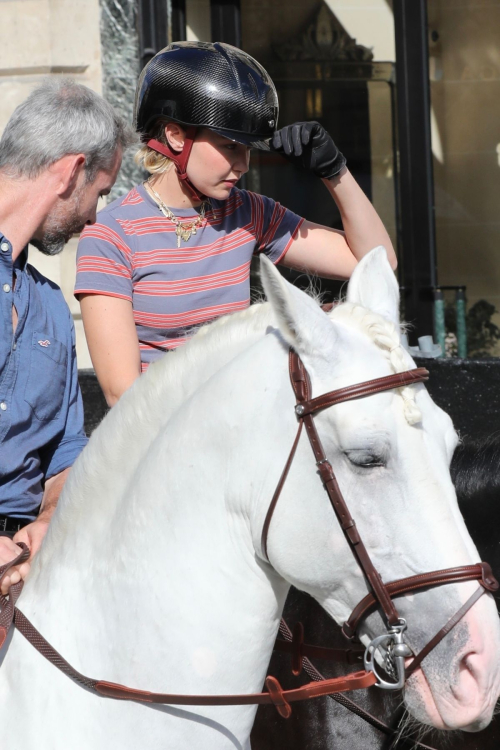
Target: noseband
(391, 643)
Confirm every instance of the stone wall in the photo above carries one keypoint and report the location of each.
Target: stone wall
(120, 71)
(46, 37)
(93, 41)
(41, 38)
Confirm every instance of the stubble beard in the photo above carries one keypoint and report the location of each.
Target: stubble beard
(60, 226)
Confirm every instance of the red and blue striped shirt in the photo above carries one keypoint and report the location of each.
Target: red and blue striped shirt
(131, 253)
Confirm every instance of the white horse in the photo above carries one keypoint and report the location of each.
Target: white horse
(152, 573)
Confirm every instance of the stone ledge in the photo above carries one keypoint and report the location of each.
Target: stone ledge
(43, 70)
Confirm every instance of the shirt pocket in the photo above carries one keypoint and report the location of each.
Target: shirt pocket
(46, 381)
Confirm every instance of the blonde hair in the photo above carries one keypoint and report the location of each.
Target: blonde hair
(148, 158)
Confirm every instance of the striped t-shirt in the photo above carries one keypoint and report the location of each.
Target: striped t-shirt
(131, 253)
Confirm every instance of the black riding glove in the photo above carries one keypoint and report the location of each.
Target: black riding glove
(308, 145)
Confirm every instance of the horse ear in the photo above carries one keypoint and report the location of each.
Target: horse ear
(373, 285)
(302, 322)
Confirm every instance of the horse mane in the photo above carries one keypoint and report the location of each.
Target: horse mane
(176, 377)
(387, 336)
(123, 438)
(154, 397)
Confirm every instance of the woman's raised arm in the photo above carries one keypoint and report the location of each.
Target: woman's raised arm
(318, 249)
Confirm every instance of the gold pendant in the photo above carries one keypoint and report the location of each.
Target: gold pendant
(182, 233)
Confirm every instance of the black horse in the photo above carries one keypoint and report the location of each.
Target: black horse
(324, 724)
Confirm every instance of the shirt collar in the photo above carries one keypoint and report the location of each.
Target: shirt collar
(21, 260)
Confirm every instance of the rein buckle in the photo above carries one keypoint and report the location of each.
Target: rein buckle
(396, 651)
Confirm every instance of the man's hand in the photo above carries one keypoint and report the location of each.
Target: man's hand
(9, 551)
(32, 535)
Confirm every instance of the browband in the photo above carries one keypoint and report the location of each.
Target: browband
(361, 390)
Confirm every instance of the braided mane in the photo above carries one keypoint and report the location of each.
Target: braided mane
(387, 337)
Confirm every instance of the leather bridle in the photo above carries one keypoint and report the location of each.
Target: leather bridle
(391, 644)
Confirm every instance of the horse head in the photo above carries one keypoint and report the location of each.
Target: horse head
(390, 453)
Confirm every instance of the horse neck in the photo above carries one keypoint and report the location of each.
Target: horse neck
(181, 547)
(198, 493)
(119, 444)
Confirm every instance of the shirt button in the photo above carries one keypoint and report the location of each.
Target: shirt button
(3, 406)
(6, 287)
(4, 247)
(14, 346)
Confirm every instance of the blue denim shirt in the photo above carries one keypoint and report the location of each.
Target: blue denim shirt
(41, 412)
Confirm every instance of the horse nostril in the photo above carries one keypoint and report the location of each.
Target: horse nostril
(464, 665)
(467, 687)
(467, 663)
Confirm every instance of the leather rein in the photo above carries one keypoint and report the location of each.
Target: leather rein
(391, 642)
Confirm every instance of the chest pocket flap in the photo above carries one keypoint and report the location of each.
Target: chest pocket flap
(46, 381)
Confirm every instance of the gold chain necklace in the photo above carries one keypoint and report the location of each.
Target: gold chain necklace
(183, 229)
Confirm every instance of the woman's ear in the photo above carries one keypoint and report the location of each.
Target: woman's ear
(175, 135)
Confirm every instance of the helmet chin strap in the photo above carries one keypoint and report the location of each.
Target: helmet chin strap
(180, 160)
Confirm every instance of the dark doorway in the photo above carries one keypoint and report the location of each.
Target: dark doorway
(342, 106)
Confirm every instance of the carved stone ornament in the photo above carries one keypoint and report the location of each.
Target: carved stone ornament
(324, 39)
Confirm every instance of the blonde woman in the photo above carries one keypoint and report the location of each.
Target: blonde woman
(175, 252)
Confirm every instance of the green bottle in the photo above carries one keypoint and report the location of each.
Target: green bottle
(439, 326)
(461, 322)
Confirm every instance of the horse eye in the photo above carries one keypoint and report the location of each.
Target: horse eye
(364, 459)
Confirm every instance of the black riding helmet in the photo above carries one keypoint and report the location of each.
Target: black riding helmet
(216, 86)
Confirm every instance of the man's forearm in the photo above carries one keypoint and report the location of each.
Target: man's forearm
(53, 489)
(33, 534)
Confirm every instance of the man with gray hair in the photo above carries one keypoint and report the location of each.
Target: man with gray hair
(60, 151)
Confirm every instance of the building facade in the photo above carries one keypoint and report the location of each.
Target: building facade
(415, 114)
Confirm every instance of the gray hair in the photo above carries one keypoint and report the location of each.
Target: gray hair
(62, 117)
